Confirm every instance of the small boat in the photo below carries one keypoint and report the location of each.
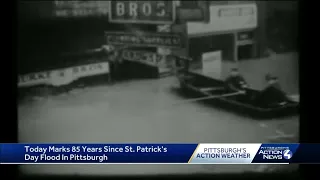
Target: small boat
(198, 85)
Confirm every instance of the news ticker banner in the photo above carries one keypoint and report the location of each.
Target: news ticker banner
(159, 153)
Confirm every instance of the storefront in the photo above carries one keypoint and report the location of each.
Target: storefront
(54, 36)
(231, 30)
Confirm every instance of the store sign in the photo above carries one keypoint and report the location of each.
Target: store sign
(226, 18)
(150, 12)
(146, 39)
(36, 10)
(80, 8)
(63, 76)
(243, 36)
(144, 57)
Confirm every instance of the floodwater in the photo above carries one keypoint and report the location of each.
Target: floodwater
(138, 111)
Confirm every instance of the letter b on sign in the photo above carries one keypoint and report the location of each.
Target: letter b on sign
(120, 9)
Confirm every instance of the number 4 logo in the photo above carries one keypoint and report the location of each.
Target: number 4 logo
(287, 154)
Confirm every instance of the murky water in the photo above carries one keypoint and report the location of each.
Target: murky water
(138, 111)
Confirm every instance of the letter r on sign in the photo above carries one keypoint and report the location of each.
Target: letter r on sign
(133, 9)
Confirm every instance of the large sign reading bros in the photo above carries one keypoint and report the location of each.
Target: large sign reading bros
(151, 12)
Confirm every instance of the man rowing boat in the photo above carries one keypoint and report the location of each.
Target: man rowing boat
(235, 82)
(183, 67)
(272, 95)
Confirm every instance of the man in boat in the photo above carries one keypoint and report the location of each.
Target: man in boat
(272, 95)
(114, 65)
(235, 82)
(183, 66)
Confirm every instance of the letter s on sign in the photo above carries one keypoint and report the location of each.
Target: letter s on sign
(161, 9)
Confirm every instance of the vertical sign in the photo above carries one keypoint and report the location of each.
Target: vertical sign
(149, 12)
(163, 65)
(211, 64)
(164, 29)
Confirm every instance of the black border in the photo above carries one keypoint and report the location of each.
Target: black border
(9, 122)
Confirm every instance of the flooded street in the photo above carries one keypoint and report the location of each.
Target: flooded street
(68, 44)
(133, 112)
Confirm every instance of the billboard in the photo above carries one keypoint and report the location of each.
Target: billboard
(169, 40)
(226, 18)
(143, 12)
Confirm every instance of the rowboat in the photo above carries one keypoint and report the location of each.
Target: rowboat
(197, 85)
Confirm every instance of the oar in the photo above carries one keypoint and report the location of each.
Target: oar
(208, 97)
(212, 89)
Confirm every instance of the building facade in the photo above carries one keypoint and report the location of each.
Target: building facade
(239, 29)
(229, 26)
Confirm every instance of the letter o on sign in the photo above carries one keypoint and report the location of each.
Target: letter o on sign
(146, 9)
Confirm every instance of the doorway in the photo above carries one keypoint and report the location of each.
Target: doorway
(245, 52)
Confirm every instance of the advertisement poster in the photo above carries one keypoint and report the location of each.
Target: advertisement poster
(150, 12)
(169, 40)
(212, 64)
(226, 18)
